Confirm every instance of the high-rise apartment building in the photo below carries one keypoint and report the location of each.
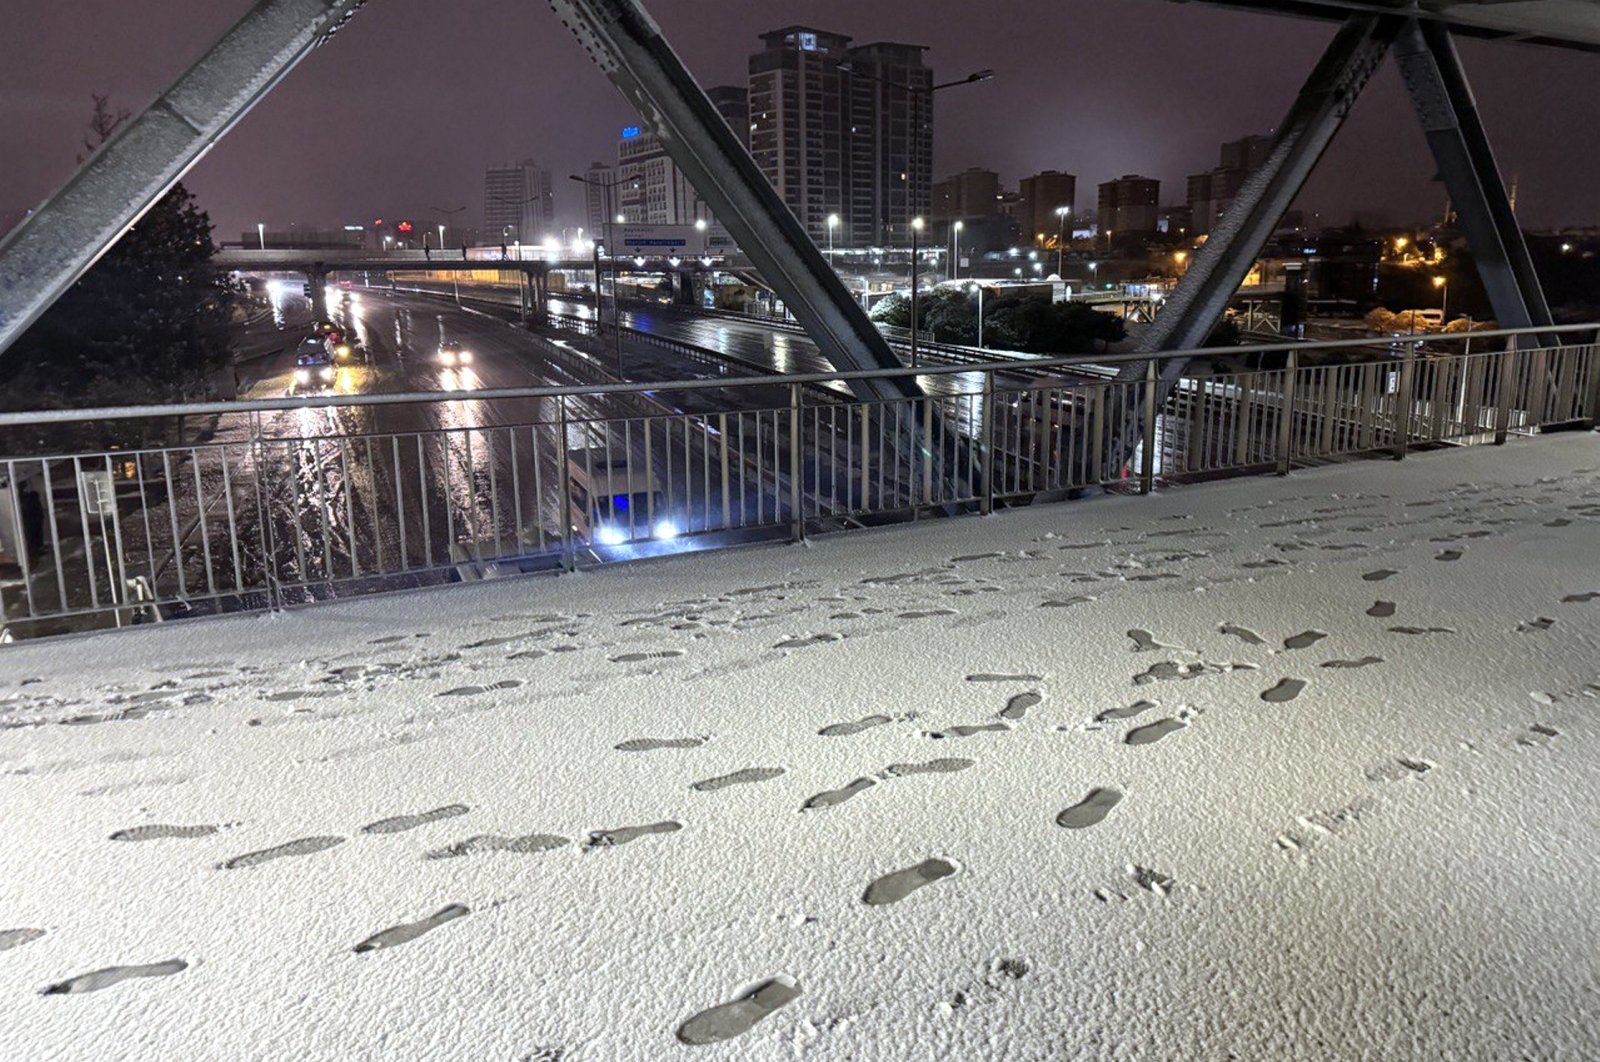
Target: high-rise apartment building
(1129, 204)
(598, 196)
(973, 193)
(842, 130)
(1212, 193)
(1042, 195)
(651, 189)
(518, 202)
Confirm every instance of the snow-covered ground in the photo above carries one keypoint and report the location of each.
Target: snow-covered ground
(1272, 768)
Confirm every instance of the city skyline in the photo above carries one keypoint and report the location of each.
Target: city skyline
(381, 146)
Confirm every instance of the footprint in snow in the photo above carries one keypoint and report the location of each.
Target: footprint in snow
(625, 834)
(1579, 599)
(744, 777)
(1381, 609)
(1380, 575)
(639, 658)
(113, 975)
(300, 847)
(1365, 661)
(1067, 602)
(896, 886)
(808, 641)
(990, 677)
(472, 691)
(944, 766)
(401, 823)
(1449, 555)
(854, 727)
(1144, 642)
(406, 932)
(1304, 640)
(1136, 708)
(1538, 736)
(1543, 623)
(969, 729)
(738, 1016)
(1286, 690)
(1153, 732)
(928, 613)
(163, 833)
(1422, 630)
(1244, 634)
(16, 938)
(834, 797)
(652, 744)
(1018, 706)
(1089, 811)
(527, 844)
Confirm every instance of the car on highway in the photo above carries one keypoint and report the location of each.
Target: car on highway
(614, 503)
(313, 365)
(453, 354)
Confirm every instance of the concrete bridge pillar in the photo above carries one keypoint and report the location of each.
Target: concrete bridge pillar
(318, 279)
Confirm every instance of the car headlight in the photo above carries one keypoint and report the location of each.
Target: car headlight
(302, 375)
(666, 529)
(466, 357)
(446, 358)
(327, 372)
(610, 536)
(344, 350)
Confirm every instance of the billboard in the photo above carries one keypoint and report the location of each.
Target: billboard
(672, 241)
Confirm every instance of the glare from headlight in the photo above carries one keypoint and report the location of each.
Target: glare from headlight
(302, 375)
(327, 373)
(610, 536)
(446, 358)
(666, 529)
(466, 357)
(344, 350)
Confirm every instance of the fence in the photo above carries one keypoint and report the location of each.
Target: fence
(291, 500)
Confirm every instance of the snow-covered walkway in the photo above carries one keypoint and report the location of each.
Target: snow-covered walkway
(1273, 768)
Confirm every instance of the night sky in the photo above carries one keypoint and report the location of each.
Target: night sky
(402, 112)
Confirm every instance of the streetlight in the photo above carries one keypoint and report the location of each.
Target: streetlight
(916, 230)
(979, 289)
(1444, 302)
(1062, 213)
(1094, 272)
(955, 249)
(608, 187)
(833, 223)
(261, 233)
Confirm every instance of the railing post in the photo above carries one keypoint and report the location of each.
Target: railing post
(797, 515)
(1505, 386)
(268, 536)
(1291, 375)
(1594, 381)
(1403, 401)
(1147, 471)
(569, 559)
(988, 443)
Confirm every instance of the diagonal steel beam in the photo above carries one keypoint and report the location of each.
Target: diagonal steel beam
(1222, 264)
(1433, 74)
(625, 42)
(55, 245)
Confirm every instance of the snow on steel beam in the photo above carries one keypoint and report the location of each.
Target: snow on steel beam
(56, 244)
(628, 46)
(1437, 82)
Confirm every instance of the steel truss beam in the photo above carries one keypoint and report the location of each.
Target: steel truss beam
(57, 244)
(625, 42)
(1433, 75)
(1229, 253)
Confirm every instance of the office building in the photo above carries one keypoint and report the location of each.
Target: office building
(1129, 204)
(598, 197)
(973, 193)
(518, 203)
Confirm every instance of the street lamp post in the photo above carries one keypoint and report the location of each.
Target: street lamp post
(1444, 303)
(261, 233)
(916, 230)
(1062, 213)
(979, 289)
(833, 223)
(955, 251)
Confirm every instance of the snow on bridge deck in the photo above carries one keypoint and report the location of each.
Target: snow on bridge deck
(1297, 767)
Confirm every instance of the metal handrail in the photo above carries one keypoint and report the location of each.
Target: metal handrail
(142, 412)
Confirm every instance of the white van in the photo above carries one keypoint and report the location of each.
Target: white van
(613, 502)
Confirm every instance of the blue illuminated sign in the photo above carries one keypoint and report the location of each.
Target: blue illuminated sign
(630, 132)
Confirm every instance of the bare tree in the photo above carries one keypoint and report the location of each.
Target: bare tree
(103, 123)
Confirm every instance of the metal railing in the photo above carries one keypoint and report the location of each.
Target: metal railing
(297, 499)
